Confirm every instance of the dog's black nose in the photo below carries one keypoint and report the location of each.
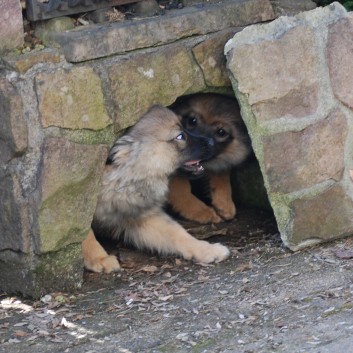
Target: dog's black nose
(204, 140)
(210, 141)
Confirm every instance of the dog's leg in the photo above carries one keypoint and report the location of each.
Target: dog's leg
(221, 193)
(96, 258)
(188, 205)
(161, 233)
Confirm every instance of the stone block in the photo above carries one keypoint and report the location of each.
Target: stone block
(291, 8)
(72, 99)
(13, 128)
(23, 63)
(14, 230)
(91, 43)
(157, 77)
(70, 181)
(299, 160)
(209, 55)
(37, 275)
(11, 25)
(323, 217)
(44, 29)
(277, 74)
(300, 133)
(339, 53)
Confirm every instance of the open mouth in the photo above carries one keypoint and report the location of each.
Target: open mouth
(193, 167)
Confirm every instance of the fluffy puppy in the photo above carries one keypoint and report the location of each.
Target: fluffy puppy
(135, 187)
(209, 199)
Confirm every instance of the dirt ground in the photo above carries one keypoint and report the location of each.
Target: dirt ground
(264, 298)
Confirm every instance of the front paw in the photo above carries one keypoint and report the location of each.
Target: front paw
(208, 253)
(206, 215)
(105, 264)
(226, 210)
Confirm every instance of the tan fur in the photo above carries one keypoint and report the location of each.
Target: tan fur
(221, 194)
(96, 258)
(134, 190)
(188, 205)
(211, 113)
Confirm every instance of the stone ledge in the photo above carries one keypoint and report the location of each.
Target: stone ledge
(115, 38)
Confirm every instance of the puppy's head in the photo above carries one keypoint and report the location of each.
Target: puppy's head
(216, 117)
(166, 145)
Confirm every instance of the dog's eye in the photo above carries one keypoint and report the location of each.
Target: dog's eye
(181, 137)
(192, 121)
(222, 133)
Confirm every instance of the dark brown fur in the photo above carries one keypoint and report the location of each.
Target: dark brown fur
(217, 117)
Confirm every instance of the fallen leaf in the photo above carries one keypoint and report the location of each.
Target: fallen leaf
(167, 297)
(148, 268)
(178, 262)
(23, 323)
(20, 333)
(344, 254)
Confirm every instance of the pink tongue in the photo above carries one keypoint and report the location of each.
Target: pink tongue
(192, 162)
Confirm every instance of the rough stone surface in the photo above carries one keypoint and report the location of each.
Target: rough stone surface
(100, 41)
(209, 55)
(45, 29)
(158, 77)
(11, 25)
(26, 61)
(273, 68)
(339, 49)
(300, 132)
(36, 276)
(146, 8)
(72, 99)
(290, 7)
(13, 128)
(61, 270)
(298, 160)
(70, 182)
(11, 215)
(323, 217)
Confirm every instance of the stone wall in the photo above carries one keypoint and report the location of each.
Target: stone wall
(60, 112)
(62, 108)
(293, 79)
(11, 25)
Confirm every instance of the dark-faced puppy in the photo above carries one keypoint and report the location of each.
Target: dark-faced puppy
(135, 187)
(218, 118)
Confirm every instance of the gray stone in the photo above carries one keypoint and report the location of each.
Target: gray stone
(290, 7)
(24, 62)
(11, 25)
(299, 160)
(100, 41)
(44, 29)
(146, 79)
(105, 15)
(72, 99)
(210, 57)
(70, 182)
(324, 217)
(300, 132)
(340, 56)
(13, 128)
(14, 234)
(269, 70)
(145, 8)
(37, 275)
